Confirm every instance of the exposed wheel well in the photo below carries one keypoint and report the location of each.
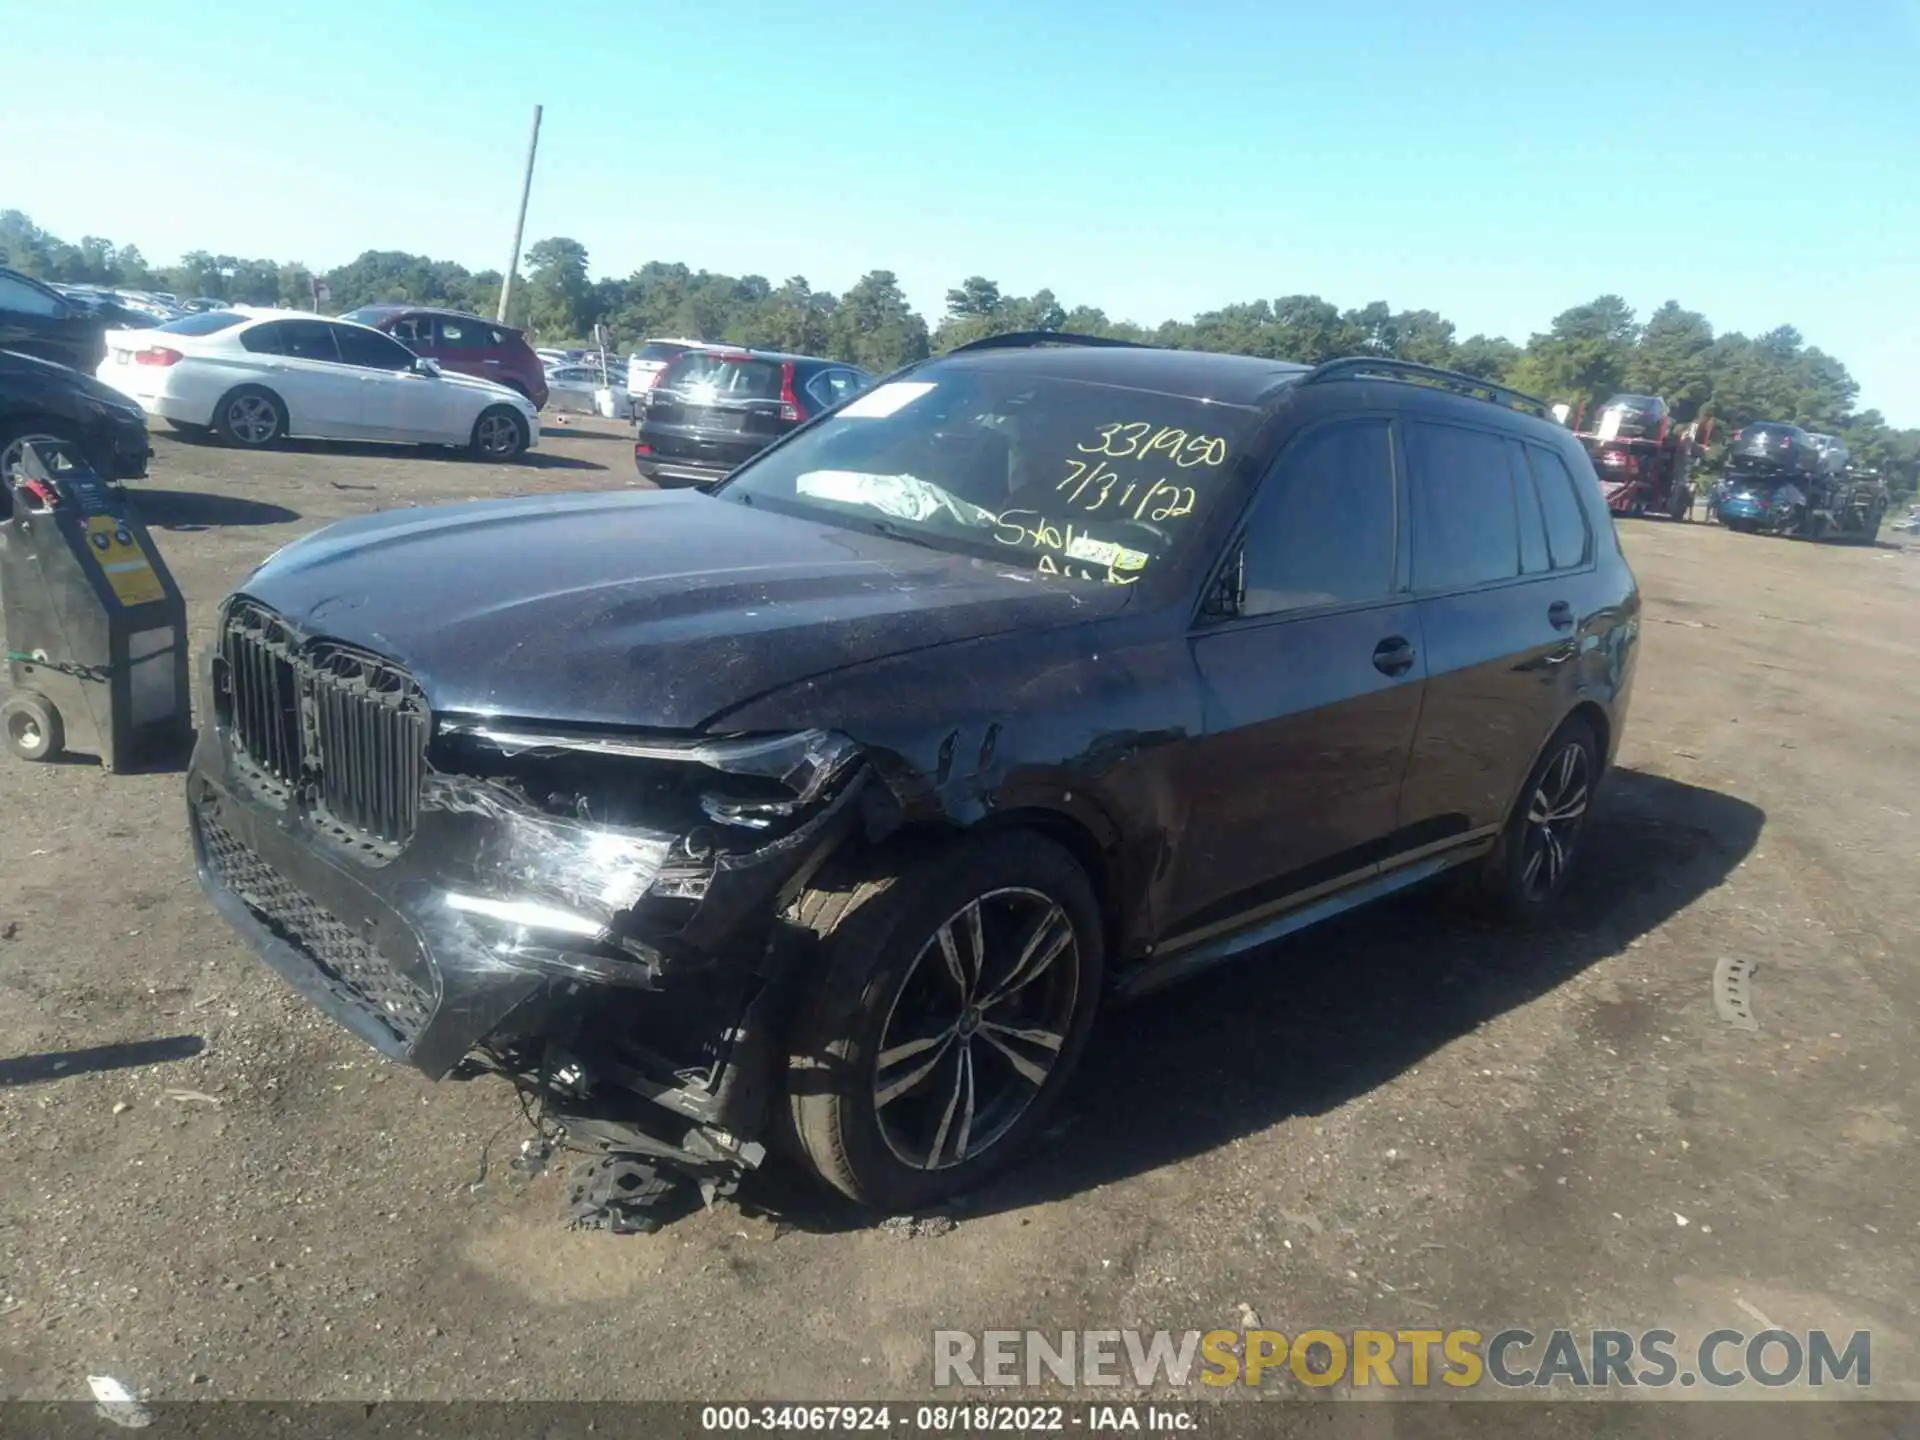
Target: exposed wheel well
(1077, 841)
(914, 844)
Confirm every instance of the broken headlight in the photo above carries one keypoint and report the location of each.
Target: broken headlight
(691, 804)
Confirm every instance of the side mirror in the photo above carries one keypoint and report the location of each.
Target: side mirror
(429, 368)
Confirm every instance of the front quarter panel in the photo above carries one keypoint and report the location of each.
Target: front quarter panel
(1083, 726)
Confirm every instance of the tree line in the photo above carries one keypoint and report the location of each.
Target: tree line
(1586, 354)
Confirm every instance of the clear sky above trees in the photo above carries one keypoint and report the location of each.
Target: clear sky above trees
(1583, 354)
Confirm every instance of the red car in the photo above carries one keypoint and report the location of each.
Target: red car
(464, 344)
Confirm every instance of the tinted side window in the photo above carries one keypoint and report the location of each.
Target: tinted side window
(1322, 527)
(1568, 536)
(264, 340)
(25, 299)
(1533, 529)
(463, 335)
(309, 340)
(370, 350)
(822, 389)
(414, 330)
(1464, 528)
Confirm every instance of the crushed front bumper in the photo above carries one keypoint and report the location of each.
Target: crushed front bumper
(504, 934)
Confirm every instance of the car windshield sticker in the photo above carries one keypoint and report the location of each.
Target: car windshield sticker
(886, 400)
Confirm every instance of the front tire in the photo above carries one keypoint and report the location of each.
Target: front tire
(499, 435)
(1528, 870)
(952, 1006)
(251, 417)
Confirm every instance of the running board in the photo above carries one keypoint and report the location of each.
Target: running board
(1154, 976)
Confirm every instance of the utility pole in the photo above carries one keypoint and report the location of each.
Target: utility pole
(520, 224)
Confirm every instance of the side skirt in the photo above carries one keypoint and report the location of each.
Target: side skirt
(1156, 974)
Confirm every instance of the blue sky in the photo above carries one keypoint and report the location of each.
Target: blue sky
(1498, 162)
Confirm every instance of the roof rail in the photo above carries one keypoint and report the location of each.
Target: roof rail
(1024, 339)
(1360, 366)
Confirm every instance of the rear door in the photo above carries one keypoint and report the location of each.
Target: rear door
(303, 365)
(715, 408)
(1500, 616)
(1311, 691)
(464, 346)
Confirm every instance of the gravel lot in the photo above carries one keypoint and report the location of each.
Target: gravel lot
(1402, 1120)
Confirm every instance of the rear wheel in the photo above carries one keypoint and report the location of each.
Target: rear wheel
(499, 434)
(1528, 870)
(953, 1005)
(251, 417)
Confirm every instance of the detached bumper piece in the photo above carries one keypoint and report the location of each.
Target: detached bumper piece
(471, 902)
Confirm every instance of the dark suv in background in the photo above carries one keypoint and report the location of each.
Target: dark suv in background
(465, 344)
(35, 319)
(1051, 667)
(711, 410)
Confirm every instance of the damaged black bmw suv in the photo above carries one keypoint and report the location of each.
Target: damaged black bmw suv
(826, 807)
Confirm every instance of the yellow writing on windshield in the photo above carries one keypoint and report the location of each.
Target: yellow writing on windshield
(1140, 440)
(1065, 550)
(1091, 484)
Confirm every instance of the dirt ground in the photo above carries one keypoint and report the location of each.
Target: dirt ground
(1403, 1120)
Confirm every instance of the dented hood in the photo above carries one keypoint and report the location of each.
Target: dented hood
(657, 609)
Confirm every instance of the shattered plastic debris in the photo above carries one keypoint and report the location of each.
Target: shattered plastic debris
(917, 1227)
(533, 1157)
(626, 1195)
(114, 1401)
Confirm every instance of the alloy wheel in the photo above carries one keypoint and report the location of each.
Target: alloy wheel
(1554, 816)
(253, 419)
(976, 1028)
(499, 435)
(14, 455)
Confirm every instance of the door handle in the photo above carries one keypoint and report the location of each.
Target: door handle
(1560, 615)
(1393, 655)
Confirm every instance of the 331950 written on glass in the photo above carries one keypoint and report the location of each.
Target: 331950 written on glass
(1130, 493)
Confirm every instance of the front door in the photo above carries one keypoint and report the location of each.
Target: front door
(396, 401)
(1311, 689)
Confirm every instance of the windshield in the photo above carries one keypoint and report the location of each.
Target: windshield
(1063, 477)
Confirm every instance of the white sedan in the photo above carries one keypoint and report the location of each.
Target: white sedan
(258, 377)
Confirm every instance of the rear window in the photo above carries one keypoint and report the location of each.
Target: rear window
(725, 377)
(205, 323)
(658, 351)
